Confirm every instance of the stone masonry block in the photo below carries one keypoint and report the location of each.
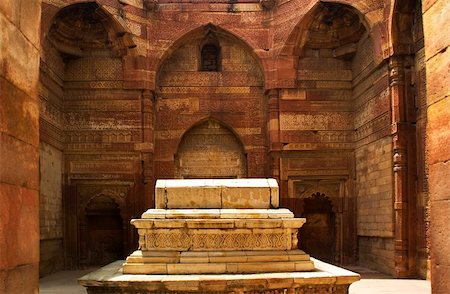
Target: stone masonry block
(19, 60)
(16, 106)
(237, 193)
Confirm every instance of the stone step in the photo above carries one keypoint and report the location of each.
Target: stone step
(217, 268)
(173, 262)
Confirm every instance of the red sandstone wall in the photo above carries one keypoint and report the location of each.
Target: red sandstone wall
(330, 119)
(19, 146)
(51, 160)
(373, 152)
(437, 59)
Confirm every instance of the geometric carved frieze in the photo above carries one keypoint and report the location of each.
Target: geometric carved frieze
(210, 90)
(183, 105)
(318, 163)
(94, 85)
(101, 167)
(372, 108)
(85, 120)
(103, 105)
(372, 126)
(212, 79)
(221, 240)
(102, 136)
(316, 121)
(317, 146)
(294, 137)
(51, 113)
(91, 69)
(96, 147)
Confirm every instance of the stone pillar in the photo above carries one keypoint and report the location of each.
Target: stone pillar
(399, 145)
(19, 146)
(274, 134)
(437, 59)
(148, 147)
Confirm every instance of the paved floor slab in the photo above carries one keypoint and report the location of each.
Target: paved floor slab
(372, 282)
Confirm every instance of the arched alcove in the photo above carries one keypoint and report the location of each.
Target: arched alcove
(85, 111)
(230, 91)
(210, 150)
(102, 232)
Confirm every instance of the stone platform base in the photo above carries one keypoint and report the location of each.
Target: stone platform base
(325, 278)
(216, 262)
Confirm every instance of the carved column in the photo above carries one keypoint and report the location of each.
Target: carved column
(399, 132)
(274, 134)
(147, 147)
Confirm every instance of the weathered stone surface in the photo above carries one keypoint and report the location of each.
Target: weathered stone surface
(19, 225)
(326, 276)
(437, 64)
(239, 193)
(94, 107)
(16, 106)
(18, 162)
(19, 158)
(217, 241)
(14, 281)
(19, 58)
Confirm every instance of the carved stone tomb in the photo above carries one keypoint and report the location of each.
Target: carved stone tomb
(231, 227)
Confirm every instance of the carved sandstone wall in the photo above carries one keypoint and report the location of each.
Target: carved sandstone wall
(314, 92)
(52, 138)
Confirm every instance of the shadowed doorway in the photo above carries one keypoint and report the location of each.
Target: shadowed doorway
(318, 233)
(103, 236)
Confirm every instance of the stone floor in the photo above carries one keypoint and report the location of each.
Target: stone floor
(372, 282)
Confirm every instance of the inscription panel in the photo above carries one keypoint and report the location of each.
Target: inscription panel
(316, 121)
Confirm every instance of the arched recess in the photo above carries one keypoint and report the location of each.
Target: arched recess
(329, 229)
(86, 29)
(408, 95)
(329, 26)
(210, 150)
(102, 231)
(233, 94)
(406, 27)
(208, 33)
(336, 68)
(81, 82)
(318, 234)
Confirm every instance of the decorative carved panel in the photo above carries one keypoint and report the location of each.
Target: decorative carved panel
(210, 151)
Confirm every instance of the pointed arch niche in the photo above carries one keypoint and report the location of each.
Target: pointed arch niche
(210, 150)
(209, 76)
(81, 119)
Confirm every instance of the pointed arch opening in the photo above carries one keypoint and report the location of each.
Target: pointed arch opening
(318, 234)
(102, 237)
(87, 29)
(210, 57)
(210, 150)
